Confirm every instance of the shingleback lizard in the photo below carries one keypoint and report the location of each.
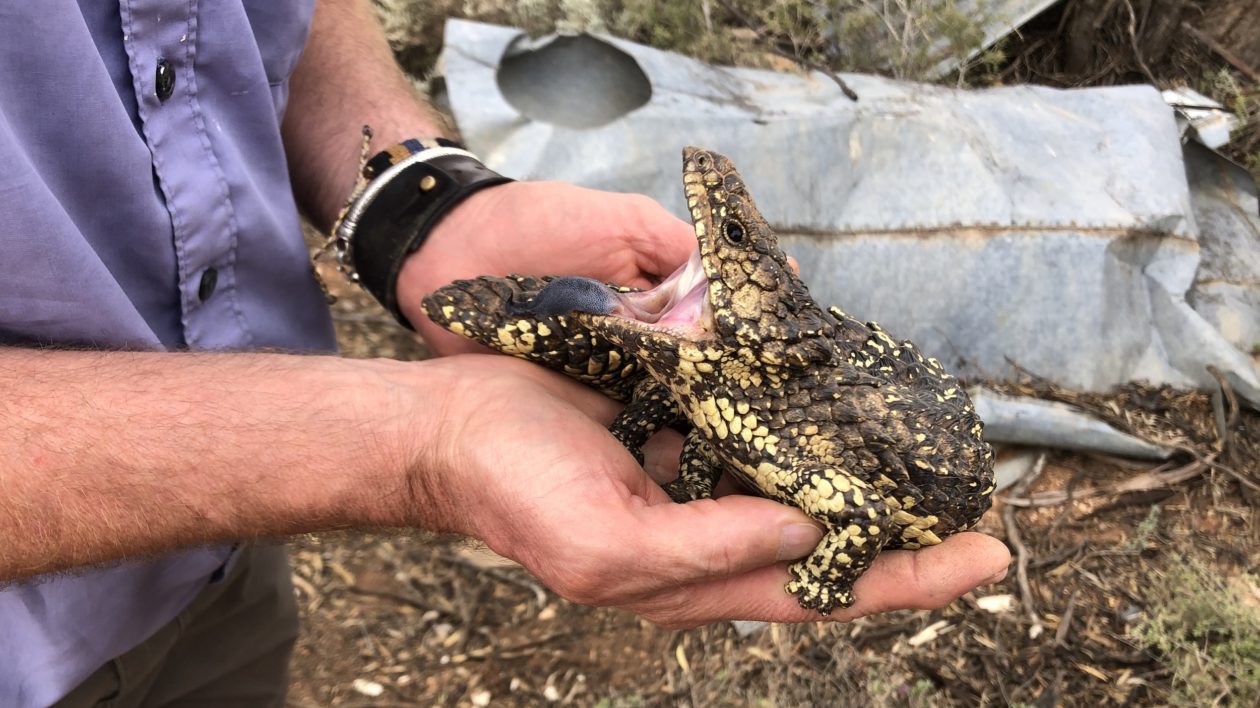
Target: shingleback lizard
(801, 404)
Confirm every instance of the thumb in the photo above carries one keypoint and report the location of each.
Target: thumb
(662, 242)
(716, 538)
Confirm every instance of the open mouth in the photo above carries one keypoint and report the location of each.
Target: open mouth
(679, 304)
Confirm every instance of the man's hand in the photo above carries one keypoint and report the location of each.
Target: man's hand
(542, 228)
(523, 463)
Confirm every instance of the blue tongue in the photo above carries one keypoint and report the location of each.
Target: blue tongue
(570, 293)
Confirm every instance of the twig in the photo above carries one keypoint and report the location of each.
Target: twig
(1036, 378)
(774, 48)
(1157, 478)
(1121, 462)
(1059, 557)
(512, 651)
(1210, 461)
(540, 594)
(1225, 406)
(396, 597)
(1133, 40)
(811, 66)
(1222, 52)
(1065, 622)
(1021, 551)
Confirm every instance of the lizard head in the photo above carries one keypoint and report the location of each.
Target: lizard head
(754, 296)
(737, 291)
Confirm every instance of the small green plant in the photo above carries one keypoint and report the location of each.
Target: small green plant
(1207, 631)
(1145, 531)
(909, 38)
(904, 38)
(1244, 146)
(922, 693)
(686, 27)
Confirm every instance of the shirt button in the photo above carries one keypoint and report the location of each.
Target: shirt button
(165, 83)
(209, 279)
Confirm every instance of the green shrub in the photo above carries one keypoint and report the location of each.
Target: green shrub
(1207, 631)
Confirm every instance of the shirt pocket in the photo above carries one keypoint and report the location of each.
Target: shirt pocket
(280, 28)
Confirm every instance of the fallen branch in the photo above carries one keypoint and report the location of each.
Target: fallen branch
(1159, 478)
(1220, 50)
(1210, 461)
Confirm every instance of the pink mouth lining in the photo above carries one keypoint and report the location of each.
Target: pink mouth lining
(679, 302)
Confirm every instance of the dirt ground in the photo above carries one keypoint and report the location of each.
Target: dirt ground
(1135, 583)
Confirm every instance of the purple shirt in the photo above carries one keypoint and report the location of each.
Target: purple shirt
(144, 203)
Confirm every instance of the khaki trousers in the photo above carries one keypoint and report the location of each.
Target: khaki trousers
(230, 647)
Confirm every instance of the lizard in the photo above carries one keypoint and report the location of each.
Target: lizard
(802, 404)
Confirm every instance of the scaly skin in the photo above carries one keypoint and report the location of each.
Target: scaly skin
(480, 310)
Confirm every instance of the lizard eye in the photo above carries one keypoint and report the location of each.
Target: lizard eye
(734, 231)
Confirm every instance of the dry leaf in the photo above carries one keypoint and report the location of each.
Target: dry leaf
(996, 603)
(371, 689)
(682, 659)
(1093, 671)
(928, 633)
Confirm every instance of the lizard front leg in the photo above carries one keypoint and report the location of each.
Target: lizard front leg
(698, 471)
(650, 409)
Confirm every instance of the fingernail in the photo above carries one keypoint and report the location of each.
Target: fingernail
(798, 540)
(995, 578)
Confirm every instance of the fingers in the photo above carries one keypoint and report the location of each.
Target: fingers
(662, 242)
(660, 455)
(931, 577)
(924, 579)
(642, 548)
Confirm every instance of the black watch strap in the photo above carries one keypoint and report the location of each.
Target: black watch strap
(400, 215)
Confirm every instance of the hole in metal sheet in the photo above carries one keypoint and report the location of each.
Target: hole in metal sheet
(575, 82)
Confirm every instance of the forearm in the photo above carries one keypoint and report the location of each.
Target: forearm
(110, 455)
(347, 78)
